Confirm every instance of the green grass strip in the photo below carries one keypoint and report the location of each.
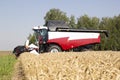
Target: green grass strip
(7, 67)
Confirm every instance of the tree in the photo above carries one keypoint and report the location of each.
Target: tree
(87, 22)
(116, 20)
(32, 38)
(83, 21)
(72, 22)
(56, 14)
(95, 23)
(112, 25)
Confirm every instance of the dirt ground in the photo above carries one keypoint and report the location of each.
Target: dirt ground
(3, 53)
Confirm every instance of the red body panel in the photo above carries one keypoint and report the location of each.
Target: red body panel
(66, 44)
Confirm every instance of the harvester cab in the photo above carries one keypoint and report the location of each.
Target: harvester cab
(41, 33)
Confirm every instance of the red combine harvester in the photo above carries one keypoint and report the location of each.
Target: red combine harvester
(56, 36)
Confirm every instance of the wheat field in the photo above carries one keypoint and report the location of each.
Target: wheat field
(89, 65)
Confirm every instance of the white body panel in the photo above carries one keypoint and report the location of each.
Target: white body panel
(73, 35)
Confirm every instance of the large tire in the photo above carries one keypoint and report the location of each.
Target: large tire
(54, 49)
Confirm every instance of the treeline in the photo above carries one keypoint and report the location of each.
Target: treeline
(112, 24)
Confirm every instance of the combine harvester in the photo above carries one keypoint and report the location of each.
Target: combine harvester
(56, 36)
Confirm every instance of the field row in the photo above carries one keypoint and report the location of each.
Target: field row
(91, 65)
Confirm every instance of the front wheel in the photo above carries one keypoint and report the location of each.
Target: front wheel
(54, 49)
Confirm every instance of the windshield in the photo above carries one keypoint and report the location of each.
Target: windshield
(41, 33)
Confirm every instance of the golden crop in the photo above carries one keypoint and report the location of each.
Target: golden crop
(89, 65)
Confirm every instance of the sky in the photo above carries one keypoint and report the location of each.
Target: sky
(18, 17)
